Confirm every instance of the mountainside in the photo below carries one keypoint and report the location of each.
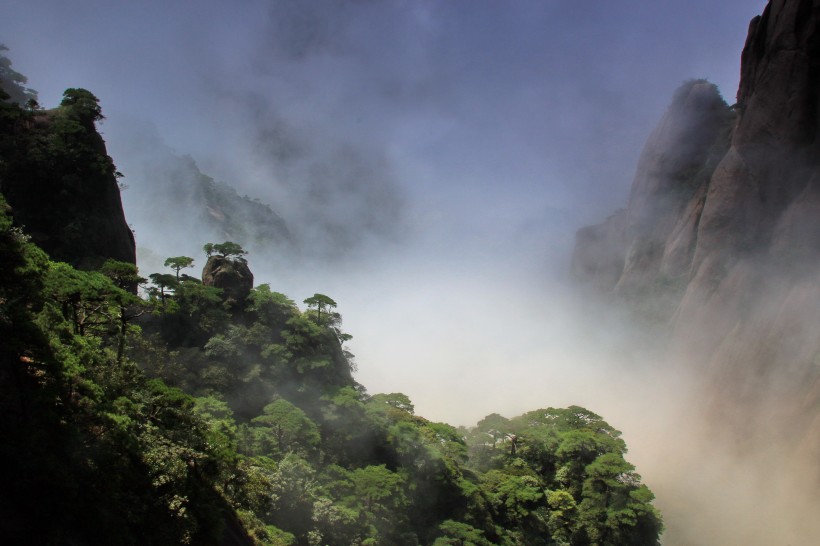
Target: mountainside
(721, 236)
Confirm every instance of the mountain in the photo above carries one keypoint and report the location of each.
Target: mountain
(720, 239)
(169, 198)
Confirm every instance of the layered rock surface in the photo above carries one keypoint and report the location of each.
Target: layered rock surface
(722, 230)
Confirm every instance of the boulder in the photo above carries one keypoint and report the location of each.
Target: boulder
(232, 275)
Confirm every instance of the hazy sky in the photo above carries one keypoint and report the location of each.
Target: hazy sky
(507, 110)
(463, 141)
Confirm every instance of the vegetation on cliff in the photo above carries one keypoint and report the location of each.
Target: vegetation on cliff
(59, 181)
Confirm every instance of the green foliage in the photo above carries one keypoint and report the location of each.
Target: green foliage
(82, 104)
(179, 263)
(228, 249)
(282, 428)
(394, 400)
(12, 83)
(455, 533)
(321, 303)
(568, 479)
(78, 424)
(271, 308)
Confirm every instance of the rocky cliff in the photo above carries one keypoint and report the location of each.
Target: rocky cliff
(645, 250)
(721, 235)
(60, 182)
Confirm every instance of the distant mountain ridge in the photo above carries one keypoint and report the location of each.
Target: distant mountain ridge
(721, 236)
(168, 198)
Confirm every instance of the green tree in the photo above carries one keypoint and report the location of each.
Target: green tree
(228, 249)
(294, 486)
(271, 308)
(83, 103)
(283, 428)
(378, 488)
(178, 263)
(615, 508)
(84, 297)
(515, 497)
(125, 277)
(321, 303)
(563, 516)
(12, 82)
(164, 284)
(396, 400)
(456, 533)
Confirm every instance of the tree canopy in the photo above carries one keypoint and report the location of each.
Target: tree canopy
(321, 303)
(12, 83)
(228, 249)
(178, 263)
(83, 103)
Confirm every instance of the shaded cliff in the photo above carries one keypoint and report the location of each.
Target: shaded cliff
(721, 236)
(60, 182)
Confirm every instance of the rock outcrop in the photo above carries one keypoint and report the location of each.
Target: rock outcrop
(723, 224)
(230, 274)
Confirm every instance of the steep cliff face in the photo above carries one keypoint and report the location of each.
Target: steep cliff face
(722, 231)
(644, 251)
(61, 184)
(756, 267)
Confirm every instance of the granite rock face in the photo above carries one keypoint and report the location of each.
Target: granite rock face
(649, 246)
(723, 223)
(756, 263)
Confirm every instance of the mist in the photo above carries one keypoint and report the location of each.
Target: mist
(431, 164)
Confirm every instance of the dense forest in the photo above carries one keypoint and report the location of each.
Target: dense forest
(173, 409)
